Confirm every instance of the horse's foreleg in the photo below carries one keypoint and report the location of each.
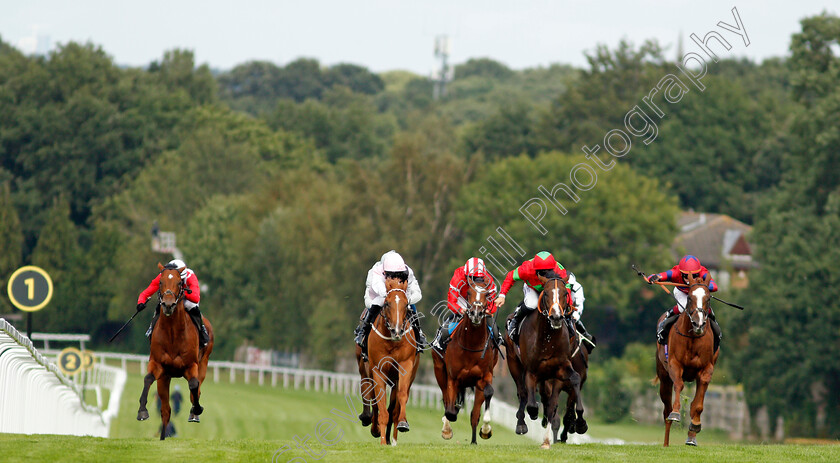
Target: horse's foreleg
(165, 409)
(476, 409)
(531, 407)
(552, 393)
(697, 404)
(486, 430)
(450, 398)
(191, 375)
(383, 413)
(154, 371)
(575, 381)
(676, 372)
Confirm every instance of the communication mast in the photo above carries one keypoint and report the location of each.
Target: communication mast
(444, 75)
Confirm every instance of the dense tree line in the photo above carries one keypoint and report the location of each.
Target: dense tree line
(285, 183)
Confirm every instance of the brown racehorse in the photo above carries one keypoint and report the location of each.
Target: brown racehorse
(543, 358)
(571, 423)
(392, 361)
(468, 362)
(174, 350)
(690, 357)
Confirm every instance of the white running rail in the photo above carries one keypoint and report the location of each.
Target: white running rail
(36, 398)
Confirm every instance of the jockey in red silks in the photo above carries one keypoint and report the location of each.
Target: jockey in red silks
(472, 272)
(534, 273)
(688, 265)
(192, 297)
(390, 265)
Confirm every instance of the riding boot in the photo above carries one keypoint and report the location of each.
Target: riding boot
(152, 324)
(443, 335)
(203, 336)
(418, 331)
(364, 328)
(582, 330)
(513, 326)
(665, 327)
(715, 330)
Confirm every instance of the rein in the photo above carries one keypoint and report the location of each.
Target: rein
(384, 316)
(181, 286)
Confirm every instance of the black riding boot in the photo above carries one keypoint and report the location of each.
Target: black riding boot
(582, 330)
(715, 330)
(443, 336)
(418, 331)
(665, 327)
(513, 326)
(152, 324)
(364, 328)
(203, 336)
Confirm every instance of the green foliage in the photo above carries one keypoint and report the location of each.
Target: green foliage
(484, 67)
(12, 239)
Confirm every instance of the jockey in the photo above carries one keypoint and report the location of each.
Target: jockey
(688, 265)
(391, 265)
(533, 273)
(474, 271)
(192, 297)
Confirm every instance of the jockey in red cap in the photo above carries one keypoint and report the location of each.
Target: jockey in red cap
(474, 271)
(390, 265)
(192, 297)
(534, 273)
(688, 266)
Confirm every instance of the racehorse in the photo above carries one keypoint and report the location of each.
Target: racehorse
(174, 351)
(689, 356)
(469, 362)
(571, 423)
(544, 357)
(392, 361)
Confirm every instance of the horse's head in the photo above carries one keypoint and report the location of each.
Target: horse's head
(698, 307)
(477, 299)
(395, 308)
(553, 302)
(171, 289)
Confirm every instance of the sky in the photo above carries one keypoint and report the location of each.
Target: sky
(387, 35)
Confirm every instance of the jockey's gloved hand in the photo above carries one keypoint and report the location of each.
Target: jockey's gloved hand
(653, 279)
(141, 306)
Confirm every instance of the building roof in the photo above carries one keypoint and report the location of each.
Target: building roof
(716, 239)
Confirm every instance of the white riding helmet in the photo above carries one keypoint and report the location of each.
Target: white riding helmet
(178, 263)
(393, 262)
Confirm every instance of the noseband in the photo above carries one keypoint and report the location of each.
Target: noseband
(168, 291)
(398, 331)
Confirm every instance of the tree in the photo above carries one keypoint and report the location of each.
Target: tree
(790, 354)
(484, 67)
(12, 239)
(623, 219)
(357, 78)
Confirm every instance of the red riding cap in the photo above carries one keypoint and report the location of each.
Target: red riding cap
(475, 268)
(544, 261)
(690, 264)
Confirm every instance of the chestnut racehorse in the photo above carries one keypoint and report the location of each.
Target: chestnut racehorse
(690, 356)
(543, 358)
(174, 349)
(392, 361)
(469, 362)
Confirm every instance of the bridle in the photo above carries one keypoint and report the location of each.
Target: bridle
(169, 292)
(558, 299)
(690, 311)
(476, 309)
(398, 329)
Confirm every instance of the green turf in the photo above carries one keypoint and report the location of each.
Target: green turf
(252, 423)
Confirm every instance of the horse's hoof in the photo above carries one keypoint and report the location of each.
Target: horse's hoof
(374, 431)
(545, 446)
(193, 418)
(570, 428)
(197, 410)
(142, 415)
(522, 429)
(674, 416)
(365, 419)
(402, 426)
(533, 412)
(485, 436)
(446, 435)
(544, 422)
(581, 427)
(692, 441)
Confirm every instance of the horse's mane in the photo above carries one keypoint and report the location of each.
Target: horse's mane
(552, 275)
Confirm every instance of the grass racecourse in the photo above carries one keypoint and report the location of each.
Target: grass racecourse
(259, 423)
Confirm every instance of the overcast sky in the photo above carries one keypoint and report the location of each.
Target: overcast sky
(385, 35)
